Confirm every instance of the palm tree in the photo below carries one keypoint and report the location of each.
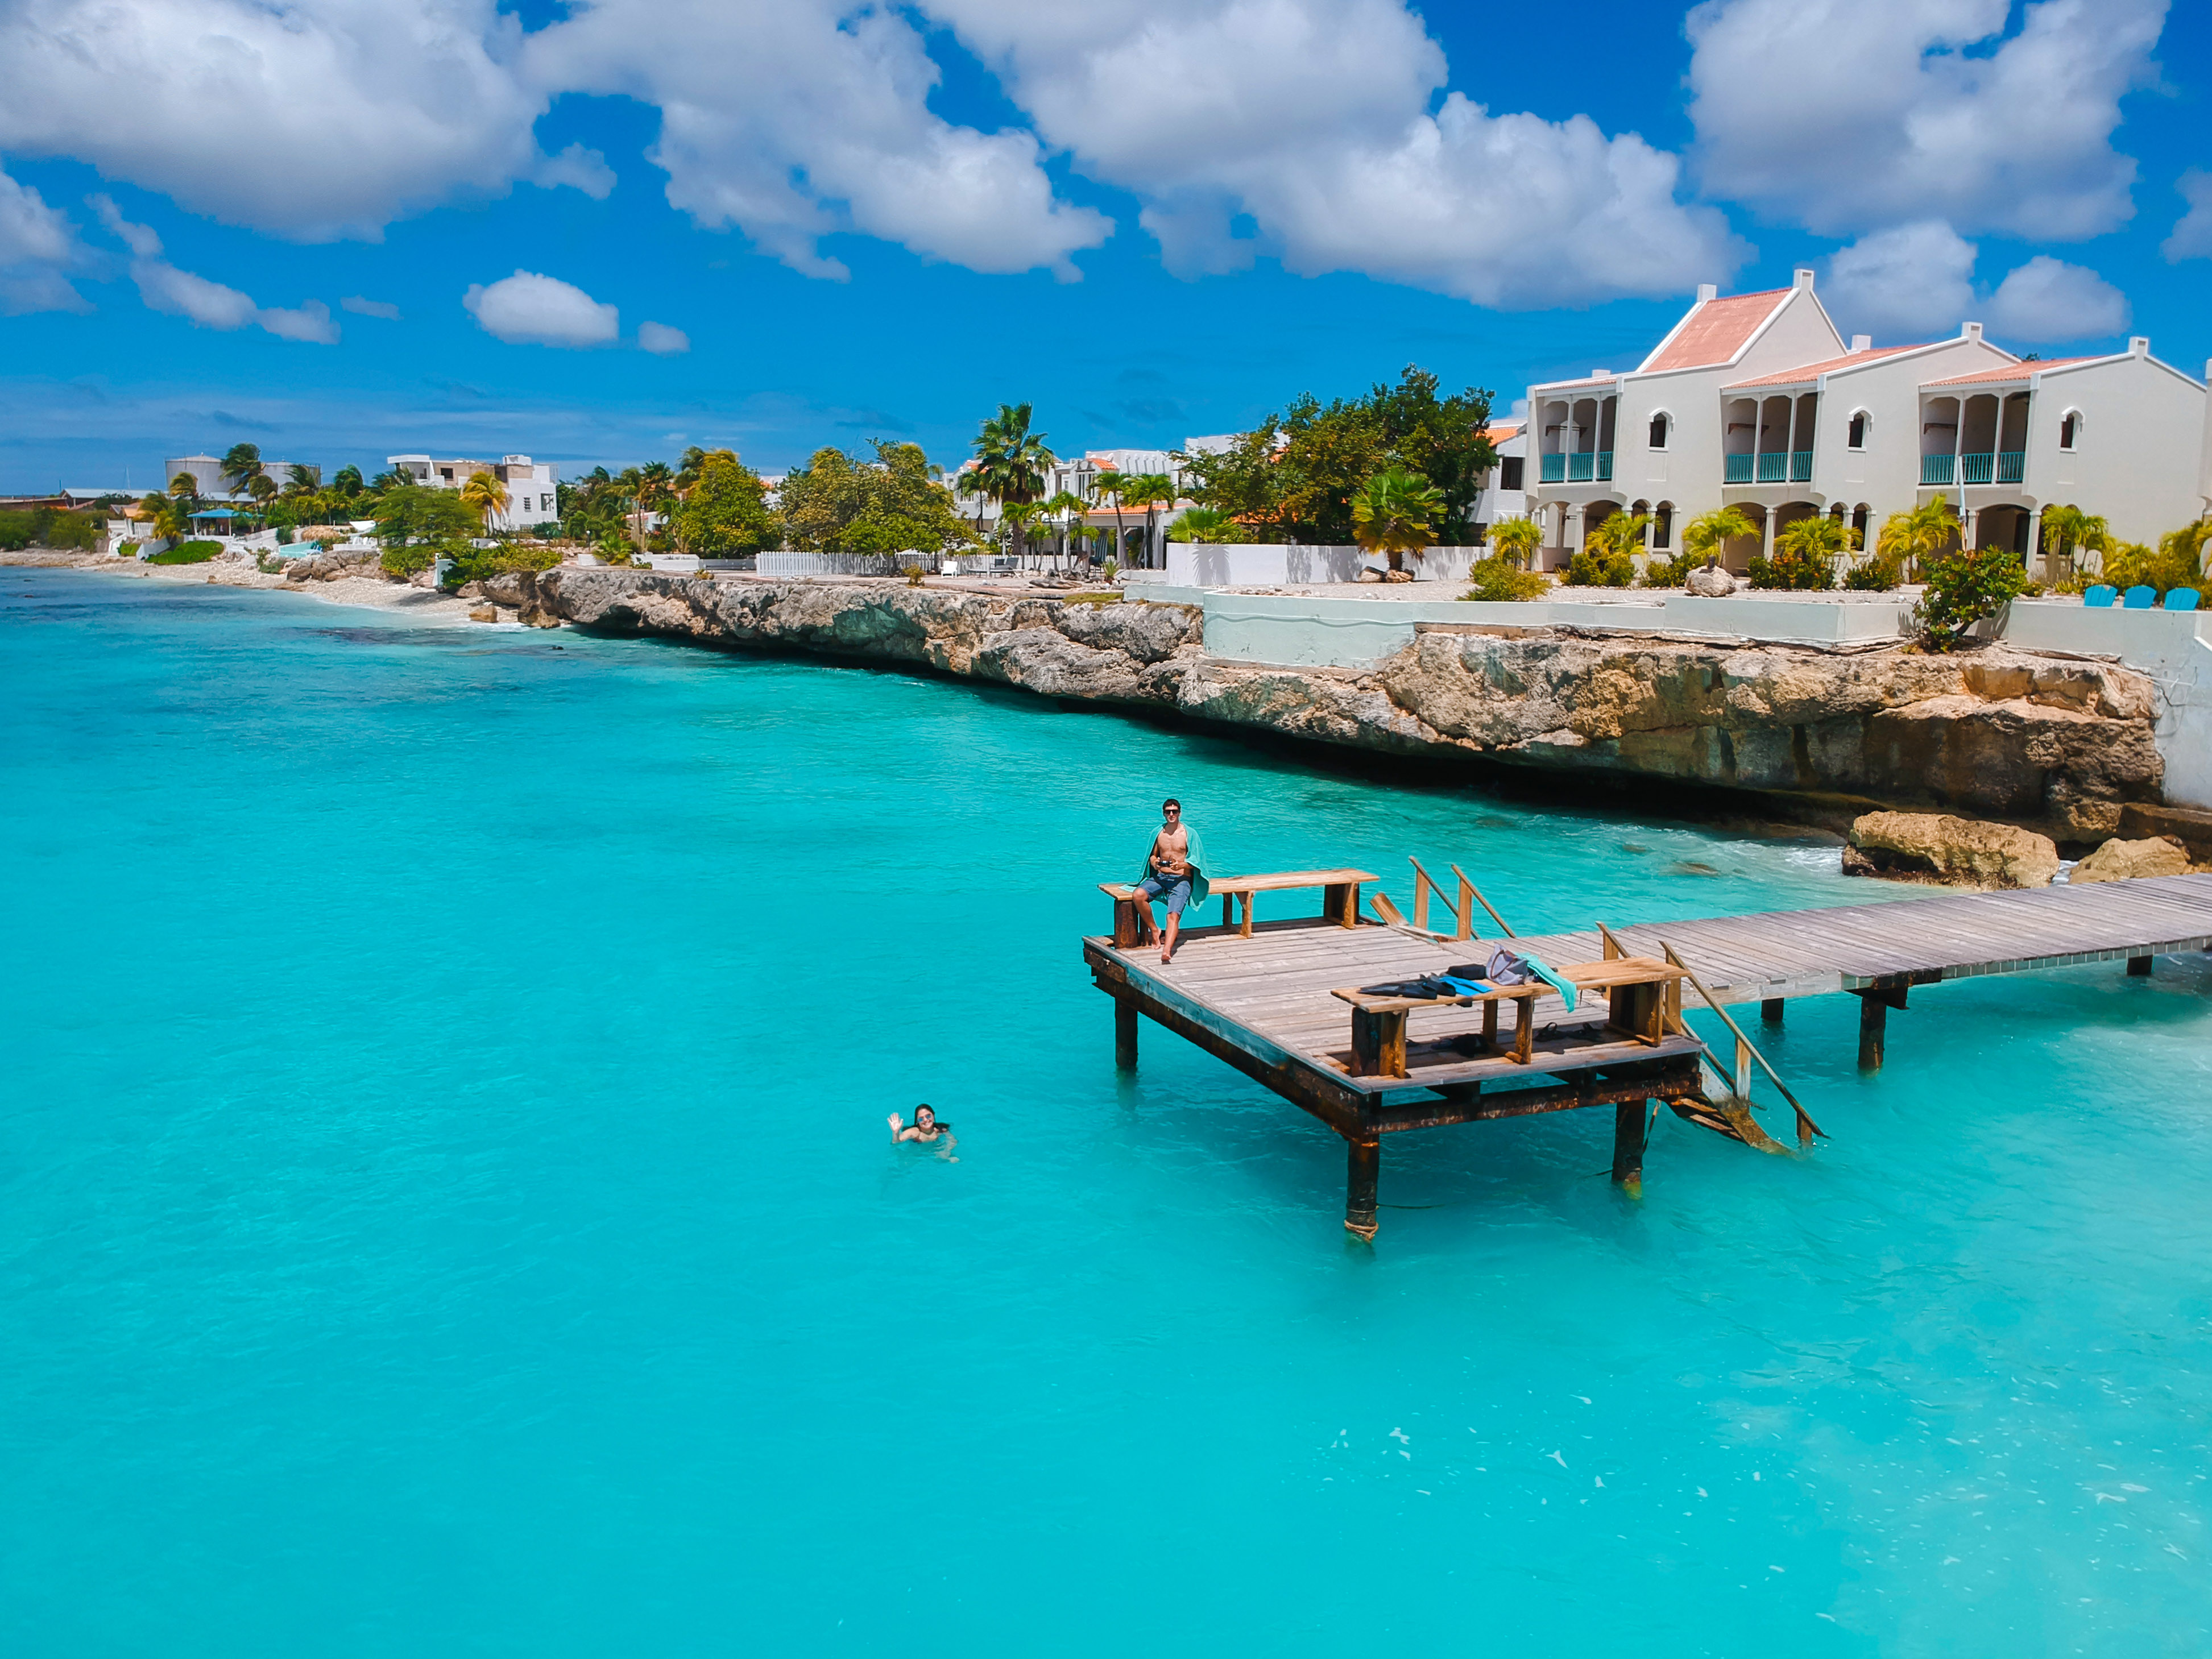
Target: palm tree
(302, 480)
(2067, 530)
(487, 495)
(1017, 517)
(1621, 534)
(1011, 460)
(1703, 535)
(1906, 538)
(263, 488)
(655, 482)
(1068, 507)
(1393, 515)
(1515, 541)
(1813, 544)
(1207, 524)
(347, 484)
(1152, 491)
(241, 465)
(1109, 483)
(184, 487)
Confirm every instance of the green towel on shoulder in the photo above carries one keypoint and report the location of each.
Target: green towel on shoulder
(1194, 854)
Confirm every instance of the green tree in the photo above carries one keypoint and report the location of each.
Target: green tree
(892, 504)
(347, 484)
(1068, 508)
(1515, 541)
(1703, 535)
(1299, 472)
(241, 465)
(1208, 524)
(725, 510)
(1909, 540)
(1963, 586)
(1805, 555)
(2069, 531)
(486, 495)
(184, 487)
(1395, 514)
(1608, 555)
(415, 513)
(1011, 460)
(1107, 486)
(1152, 491)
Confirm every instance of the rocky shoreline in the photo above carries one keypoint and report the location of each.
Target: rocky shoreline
(2059, 746)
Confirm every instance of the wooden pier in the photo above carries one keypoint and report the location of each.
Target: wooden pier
(1277, 1000)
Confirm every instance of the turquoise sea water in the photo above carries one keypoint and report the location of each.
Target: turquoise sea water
(447, 1208)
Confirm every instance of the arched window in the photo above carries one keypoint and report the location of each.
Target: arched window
(1659, 425)
(1860, 422)
(1662, 527)
(1860, 515)
(2070, 429)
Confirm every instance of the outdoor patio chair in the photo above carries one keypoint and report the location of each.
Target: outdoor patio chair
(2181, 599)
(2100, 597)
(2139, 598)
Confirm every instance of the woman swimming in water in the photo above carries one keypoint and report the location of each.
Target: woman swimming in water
(924, 1126)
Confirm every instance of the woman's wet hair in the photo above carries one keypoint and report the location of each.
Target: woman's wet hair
(924, 1107)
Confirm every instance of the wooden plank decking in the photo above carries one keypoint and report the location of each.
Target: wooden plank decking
(1263, 1001)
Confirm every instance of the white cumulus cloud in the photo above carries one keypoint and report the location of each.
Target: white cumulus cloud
(2047, 300)
(1846, 115)
(1313, 118)
(790, 120)
(1916, 281)
(38, 245)
(663, 341)
(313, 119)
(2192, 234)
(530, 309)
(205, 303)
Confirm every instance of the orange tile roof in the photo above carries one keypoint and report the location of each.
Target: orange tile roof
(1826, 365)
(1498, 431)
(1717, 330)
(2010, 372)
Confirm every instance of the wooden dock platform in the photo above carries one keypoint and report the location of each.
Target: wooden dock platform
(1264, 1000)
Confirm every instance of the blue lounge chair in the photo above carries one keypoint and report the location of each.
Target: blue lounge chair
(2181, 599)
(2100, 597)
(2139, 599)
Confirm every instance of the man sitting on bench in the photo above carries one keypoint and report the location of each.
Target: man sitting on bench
(1175, 871)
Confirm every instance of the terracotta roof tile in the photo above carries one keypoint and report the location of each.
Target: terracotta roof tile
(1717, 330)
(1826, 366)
(2010, 372)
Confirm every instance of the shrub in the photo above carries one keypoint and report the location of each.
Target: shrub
(2172, 564)
(1673, 571)
(1601, 567)
(1501, 578)
(188, 553)
(1962, 588)
(410, 561)
(474, 564)
(48, 527)
(1878, 574)
(1209, 524)
(1791, 571)
(912, 572)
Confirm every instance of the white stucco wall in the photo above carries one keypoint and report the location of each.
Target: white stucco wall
(2174, 648)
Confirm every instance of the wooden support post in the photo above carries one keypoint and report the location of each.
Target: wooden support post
(1465, 912)
(1332, 902)
(1378, 1043)
(1245, 931)
(1874, 1021)
(1363, 1170)
(1743, 1069)
(1629, 1126)
(1129, 931)
(1770, 1010)
(2138, 967)
(1125, 1034)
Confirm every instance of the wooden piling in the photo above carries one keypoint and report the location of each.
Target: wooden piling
(1630, 1124)
(2138, 967)
(1125, 1034)
(1362, 1169)
(1770, 1010)
(1873, 1023)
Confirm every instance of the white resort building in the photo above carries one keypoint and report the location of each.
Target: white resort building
(533, 487)
(1755, 401)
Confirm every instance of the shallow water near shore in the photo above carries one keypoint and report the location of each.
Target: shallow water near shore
(447, 1207)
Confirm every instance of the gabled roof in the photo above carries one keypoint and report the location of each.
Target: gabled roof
(1498, 431)
(1715, 331)
(2015, 371)
(1569, 386)
(1805, 372)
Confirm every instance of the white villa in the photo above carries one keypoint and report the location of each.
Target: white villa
(1079, 476)
(1755, 401)
(533, 487)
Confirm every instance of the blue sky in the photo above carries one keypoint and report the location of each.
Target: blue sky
(1152, 221)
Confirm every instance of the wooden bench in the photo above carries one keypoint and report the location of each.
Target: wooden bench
(1640, 990)
(1339, 900)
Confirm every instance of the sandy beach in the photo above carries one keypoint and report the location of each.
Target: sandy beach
(417, 603)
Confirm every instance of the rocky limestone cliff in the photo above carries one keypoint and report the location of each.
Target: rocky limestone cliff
(2058, 744)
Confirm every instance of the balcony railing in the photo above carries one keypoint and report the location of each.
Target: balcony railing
(1739, 469)
(1555, 469)
(1977, 469)
(1582, 468)
(1801, 466)
(1774, 468)
(2011, 464)
(1935, 468)
(1592, 467)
